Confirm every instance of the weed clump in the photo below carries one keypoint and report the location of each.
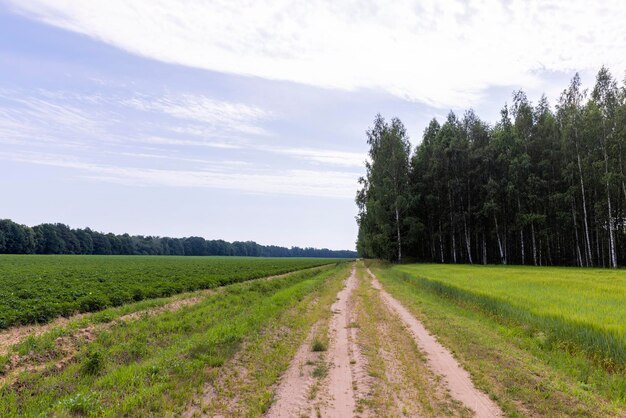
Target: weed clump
(94, 363)
(80, 404)
(321, 370)
(318, 345)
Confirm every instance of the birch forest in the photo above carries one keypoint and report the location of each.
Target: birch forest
(543, 185)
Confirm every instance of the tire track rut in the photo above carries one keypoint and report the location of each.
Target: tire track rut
(336, 394)
(440, 360)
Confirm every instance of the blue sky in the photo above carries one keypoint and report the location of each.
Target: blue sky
(246, 120)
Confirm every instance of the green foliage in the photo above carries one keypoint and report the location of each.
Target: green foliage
(321, 370)
(80, 404)
(35, 289)
(155, 365)
(540, 186)
(94, 362)
(61, 239)
(384, 198)
(318, 345)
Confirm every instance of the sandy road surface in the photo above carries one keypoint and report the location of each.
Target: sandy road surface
(292, 397)
(337, 393)
(441, 361)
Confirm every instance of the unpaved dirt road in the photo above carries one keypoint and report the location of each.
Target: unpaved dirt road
(329, 383)
(292, 396)
(335, 382)
(441, 361)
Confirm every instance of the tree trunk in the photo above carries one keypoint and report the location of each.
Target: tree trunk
(441, 244)
(612, 251)
(467, 240)
(578, 254)
(502, 255)
(582, 189)
(484, 248)
(603, 255)
(521, 232)
(532, 229)
(550, 262)
(398, 231)
(453, 246)
(598, 255)
(453, 229)
(621, 170)
(432, 247)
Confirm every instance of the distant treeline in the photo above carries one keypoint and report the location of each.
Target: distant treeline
(540, 187)
(61, 239)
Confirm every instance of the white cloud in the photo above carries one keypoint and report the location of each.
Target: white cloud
(206, 144)
(441, 52)
(160, 140)
(329, 184)
(101, 123)
(65, 118)
(231, 164)
(216, 115)
(324, 156)
(24, 117)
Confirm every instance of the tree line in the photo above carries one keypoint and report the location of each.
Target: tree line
(58, 238)
(541, 186)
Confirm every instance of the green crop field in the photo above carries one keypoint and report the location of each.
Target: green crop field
(35, 288)
(156, 363)
(541, 341)
(225, 336)
(582, 307)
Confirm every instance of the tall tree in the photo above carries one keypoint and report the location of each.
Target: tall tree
(384, 198)
(538, 187)
(605, 96)
(570, 109)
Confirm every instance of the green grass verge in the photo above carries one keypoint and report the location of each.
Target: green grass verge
(510, 361)
(156, 364)
(246, 385)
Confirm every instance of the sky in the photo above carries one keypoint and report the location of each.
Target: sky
(246, 119)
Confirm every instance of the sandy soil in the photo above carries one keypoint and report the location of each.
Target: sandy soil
(15, 335)
(441, 361)
(337, 394)
(292, 396)
(65, 346)
(402, 383)
(394, 375)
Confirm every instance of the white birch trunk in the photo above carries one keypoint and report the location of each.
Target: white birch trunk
(582, 189)
(612, 251)
(532, 228)
(502, 255)
(399, 237)
(468, 244)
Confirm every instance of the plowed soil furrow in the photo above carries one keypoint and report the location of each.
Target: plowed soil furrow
(16, 334)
